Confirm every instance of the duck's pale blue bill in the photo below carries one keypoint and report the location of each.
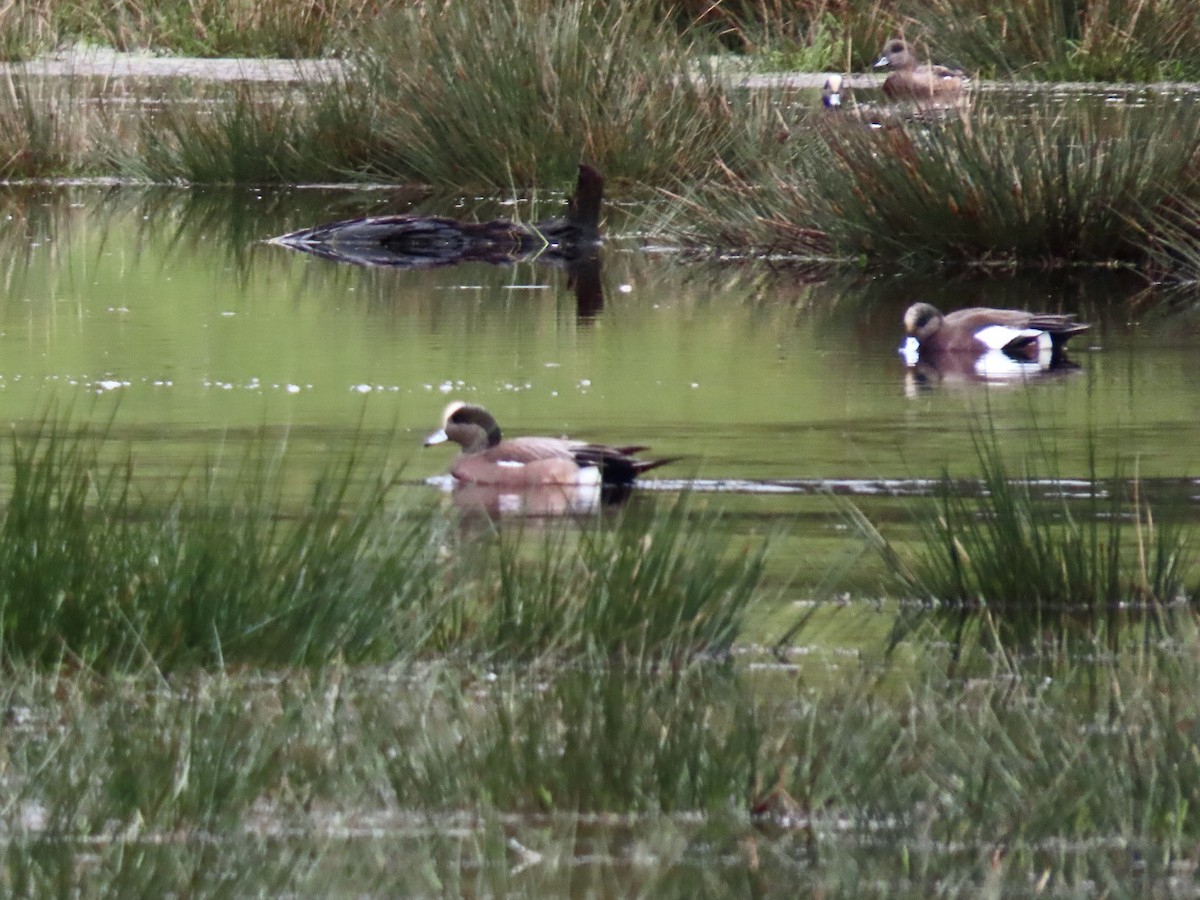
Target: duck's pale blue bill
(437, 437)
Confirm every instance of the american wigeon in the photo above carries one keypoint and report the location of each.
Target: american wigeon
(831, 92)
(486, 458)
(415, 241)
(1015, 332)
(915, 80)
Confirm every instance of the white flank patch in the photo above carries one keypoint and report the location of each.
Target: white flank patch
(589, 475)
(910, 350)
(997, 337)
(995, 365)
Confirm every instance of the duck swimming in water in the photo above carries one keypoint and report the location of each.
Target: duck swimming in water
(489, 458)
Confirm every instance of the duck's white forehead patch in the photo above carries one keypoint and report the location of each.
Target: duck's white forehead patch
(510, 463)
(911, 351)
(451, 409)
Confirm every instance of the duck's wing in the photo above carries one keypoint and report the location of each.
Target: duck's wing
(1060, 326)
(978, 317)
(617, 465)
(532, 449)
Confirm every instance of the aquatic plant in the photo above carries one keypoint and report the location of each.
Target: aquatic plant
(96, 572)
(517, 96)
(229, 571)
(251, 134)
(655, 587)
(1171, 239)
(978, 187)
(45, 128)
(519, 92)
(1077, 772)
(212, 28)
(1009, 564)
(591, 740)
(1100, 40)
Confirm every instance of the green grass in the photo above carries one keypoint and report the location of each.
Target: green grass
(296, 684)
(210, 28)
(255, 134)
(1009, 566)
(519, 95)
(525, 91)
(46, 129)
(230, 570)
(661, 586)
(988, 187)
(515, 97)
(1082, 774)
(1116, 40)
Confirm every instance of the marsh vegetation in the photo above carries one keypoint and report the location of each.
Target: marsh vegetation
(236, 670)
(517, 97)
(207, 684)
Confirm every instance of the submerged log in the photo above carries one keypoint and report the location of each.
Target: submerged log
(415, 241)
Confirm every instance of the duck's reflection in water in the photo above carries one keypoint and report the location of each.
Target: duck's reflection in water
(925, 371)
(542, 501)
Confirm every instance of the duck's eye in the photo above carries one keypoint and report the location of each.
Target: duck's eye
(896, 47)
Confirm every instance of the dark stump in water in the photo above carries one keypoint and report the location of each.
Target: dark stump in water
(412, 241)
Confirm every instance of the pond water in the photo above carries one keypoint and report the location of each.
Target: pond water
(171, 307)
(166, 311)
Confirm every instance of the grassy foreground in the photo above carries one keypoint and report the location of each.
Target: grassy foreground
(1074, 778)
(224, 572)
(232, 686)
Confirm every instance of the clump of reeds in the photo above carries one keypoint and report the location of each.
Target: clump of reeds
(1020, 565)
(46, 127)
(592, 740)
(1171, 238)
(1102, 40)
(1008, 778)
(1081, 774)
(265, 28)
(519, 92)
(254, 134)
(229, 572)
(96, 572)
(659, 587)
(978, 186)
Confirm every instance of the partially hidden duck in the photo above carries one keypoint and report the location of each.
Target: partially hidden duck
(911, 79)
